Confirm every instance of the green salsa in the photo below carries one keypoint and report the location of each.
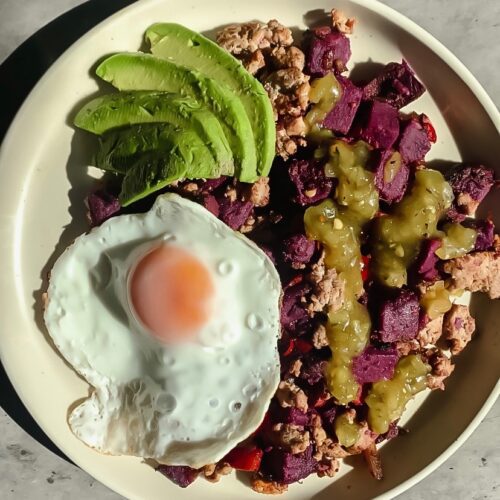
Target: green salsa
(436, 300)
(456, 242)
(387, 399)
(397, 236)
(346, 430)
(338, 225)
(324, 95)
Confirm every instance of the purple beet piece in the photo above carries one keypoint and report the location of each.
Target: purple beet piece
(210, 203)
(470, 184)
(399, 317)
(390, 434)
(328, 412)
(289, 415)
(312, 370)
(209, 185)
(374, 364)
(427, 260)
(278, 465)
(379, 125)
(414, 142)
(298, 249)
(393, 190)
(234, 213)
(340, 118)
(181, 475)
(485, 233)
(269, 252)
(396, 85)
(102, 205)
(326, 50)
(310, 181)
(292, 309)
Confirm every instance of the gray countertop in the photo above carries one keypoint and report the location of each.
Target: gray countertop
(29, 471)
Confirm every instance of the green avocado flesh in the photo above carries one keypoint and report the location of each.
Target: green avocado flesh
(152, 156)
(181, 45)
(121, 149)
(113, 111)
(137, 71)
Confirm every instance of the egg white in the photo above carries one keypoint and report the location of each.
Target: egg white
(184, 403)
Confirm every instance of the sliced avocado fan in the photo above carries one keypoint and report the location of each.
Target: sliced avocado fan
(152, 156)
(114, 111)
(137, 71)
(181, 45)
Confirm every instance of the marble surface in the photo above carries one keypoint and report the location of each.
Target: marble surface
(29, 471)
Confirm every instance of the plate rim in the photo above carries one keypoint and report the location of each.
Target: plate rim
(378, 8)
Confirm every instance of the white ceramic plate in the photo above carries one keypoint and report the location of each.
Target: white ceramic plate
(44, 181)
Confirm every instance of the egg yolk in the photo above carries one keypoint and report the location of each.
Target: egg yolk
(171, 293)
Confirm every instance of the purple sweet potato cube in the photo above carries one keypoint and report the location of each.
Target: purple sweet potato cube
(396, 85)
(298, 250)
(312, 370)
(374, 364)
(234, 213)
(379, 125)
(210, 203)
(340, 118)
(290, 415)
(470, 184)
(427, 260)
(485, 233)
(209, 185)
(328, 412)
(292, 308)
(399, 317)
(181, 475)
(390, 434)
(102, 205)
(326, 50)
(391, 187)
(414, 142)
(310, 182)
(282, 467)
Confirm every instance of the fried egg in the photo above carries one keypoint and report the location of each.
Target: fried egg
(173, 319)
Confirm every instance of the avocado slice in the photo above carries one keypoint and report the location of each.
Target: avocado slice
(152, 171)
(137, 71)
(181, 45)
(121, 149)
(121, 109)
(152, 156)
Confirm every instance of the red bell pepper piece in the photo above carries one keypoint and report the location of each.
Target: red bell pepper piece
(429, 128)
(303, 346)
(320, 400)
(290, 348)
(365, 267)
(359, 400)
(244, 458)
(295, 281)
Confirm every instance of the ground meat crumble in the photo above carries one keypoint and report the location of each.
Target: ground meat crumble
(442, 368)
(328, 288)
(476, 272)
(267, 50)
(459, 326)
(288, 394)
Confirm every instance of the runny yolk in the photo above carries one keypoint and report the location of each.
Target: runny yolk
(171, 293)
